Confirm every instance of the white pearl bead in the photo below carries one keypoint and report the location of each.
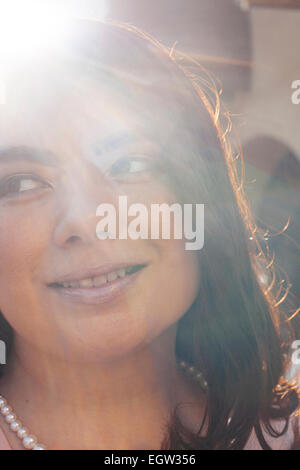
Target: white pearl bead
(5, 410)
(15, 425)
(22, 432)
(39, 447)
(2, 401)
(29, 441)
(10, 418)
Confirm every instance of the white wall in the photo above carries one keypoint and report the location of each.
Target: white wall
(268, 108)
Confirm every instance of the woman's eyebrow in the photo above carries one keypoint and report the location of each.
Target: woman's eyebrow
(18, 153)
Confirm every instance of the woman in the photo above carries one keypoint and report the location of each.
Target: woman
(128, 343)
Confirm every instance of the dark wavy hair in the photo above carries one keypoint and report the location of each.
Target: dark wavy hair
(236, 332)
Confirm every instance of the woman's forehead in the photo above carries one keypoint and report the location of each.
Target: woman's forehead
(51, 107)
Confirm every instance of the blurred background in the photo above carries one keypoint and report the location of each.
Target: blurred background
(252, 46)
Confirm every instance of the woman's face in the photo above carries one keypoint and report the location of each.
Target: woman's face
(61, 149)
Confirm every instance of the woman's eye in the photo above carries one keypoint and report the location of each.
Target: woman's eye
(130, 166)
(19, 185)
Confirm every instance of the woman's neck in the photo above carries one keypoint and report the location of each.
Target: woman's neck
(123, 404)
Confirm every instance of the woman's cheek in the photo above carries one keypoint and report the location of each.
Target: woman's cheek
(24, 238)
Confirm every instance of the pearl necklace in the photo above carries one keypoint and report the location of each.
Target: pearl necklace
(194, 374)
(29, 441)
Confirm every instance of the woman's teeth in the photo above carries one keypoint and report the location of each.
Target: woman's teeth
(100, 280)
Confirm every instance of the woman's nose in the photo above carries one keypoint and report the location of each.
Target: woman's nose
(77, 221)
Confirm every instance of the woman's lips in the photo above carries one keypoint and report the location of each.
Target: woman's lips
(100, 294)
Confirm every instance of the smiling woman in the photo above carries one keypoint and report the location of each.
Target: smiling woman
(107, 338)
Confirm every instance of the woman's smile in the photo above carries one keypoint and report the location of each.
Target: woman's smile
(101, 286)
